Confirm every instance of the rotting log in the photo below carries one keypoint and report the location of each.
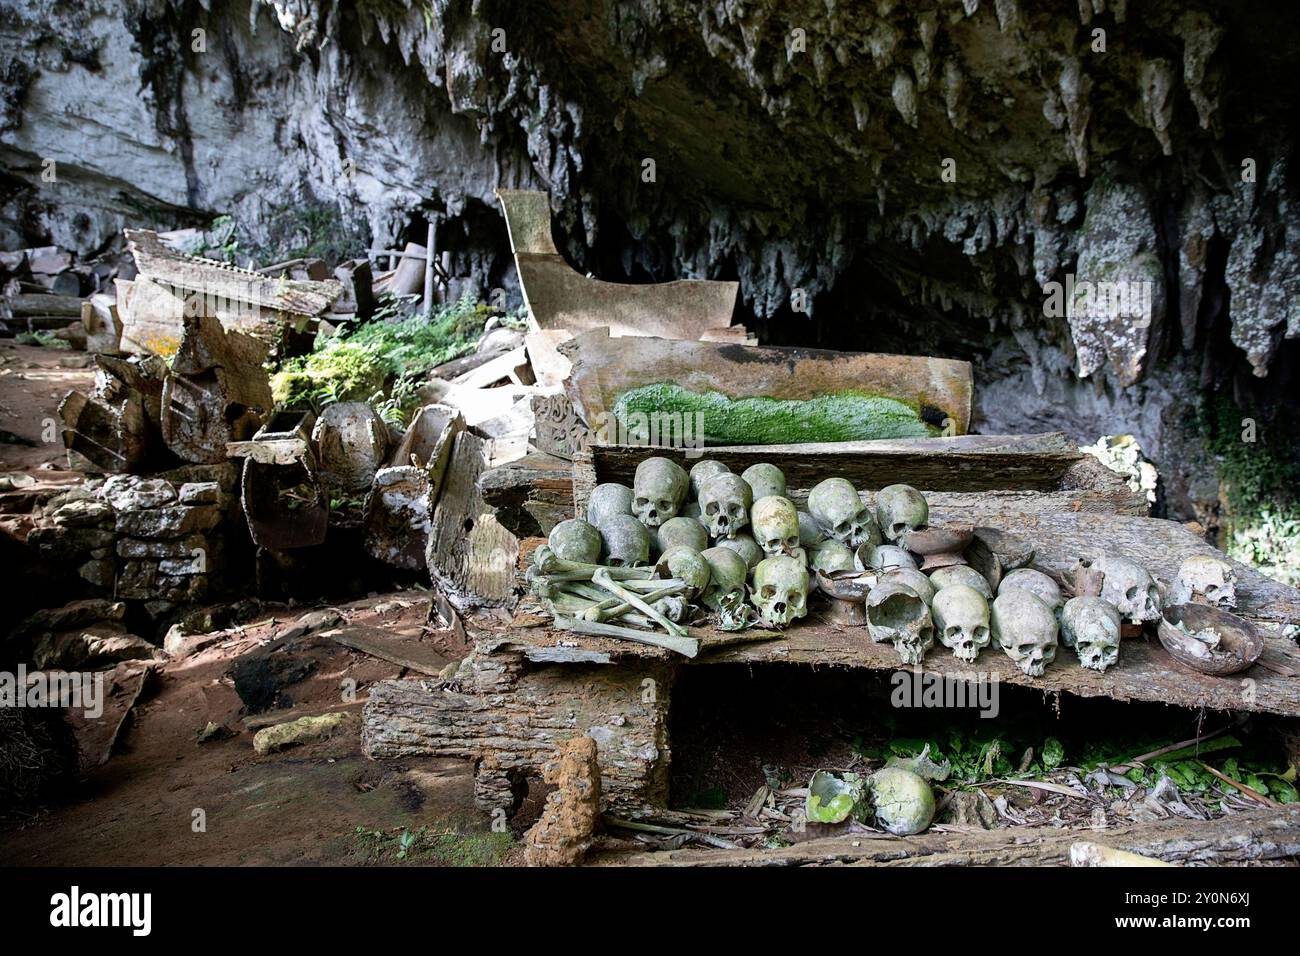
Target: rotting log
(508, 715)
(604, 368)
(217, 392)
(1254, 836)
(558, 297)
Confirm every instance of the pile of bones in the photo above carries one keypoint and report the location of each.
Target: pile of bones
(678, 547)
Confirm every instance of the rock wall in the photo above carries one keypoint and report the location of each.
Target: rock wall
(919, 174)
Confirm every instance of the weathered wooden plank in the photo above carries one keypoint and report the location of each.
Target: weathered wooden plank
(396, 648)
(530, 495)
(470, 556)
(1253, 836)
(604, 368)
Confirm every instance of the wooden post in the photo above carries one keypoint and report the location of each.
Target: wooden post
(428, 272)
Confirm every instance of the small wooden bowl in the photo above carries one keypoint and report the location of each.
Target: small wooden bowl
(1240, 644)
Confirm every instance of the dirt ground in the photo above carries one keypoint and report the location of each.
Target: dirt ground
(165, 799)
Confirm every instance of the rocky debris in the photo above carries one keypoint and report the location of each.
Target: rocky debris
(304, 730)
(93, 649)
(563, 834)
(970, 808)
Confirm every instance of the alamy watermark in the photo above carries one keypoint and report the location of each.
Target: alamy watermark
(953, 690)
(79, 691)
(681, 430)
(1102, 300)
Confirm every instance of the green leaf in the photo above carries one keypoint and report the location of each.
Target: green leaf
(1053, 754)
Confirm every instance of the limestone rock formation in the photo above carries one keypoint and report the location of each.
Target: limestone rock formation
(563, 834)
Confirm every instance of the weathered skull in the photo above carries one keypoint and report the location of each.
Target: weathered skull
(1130, 587)
(840, 512)
(961, 616)
(681, 532)
(780, 589)
(830, 556)
(776, 525)
(914, 579)
(961, 574)
(1205, 580)
(725, 501)
(810, 532)
(575, 540)
(659, 489)
(1037, 582)
(1091, 626)
(702, 471)
(900, 508)
(687, 565)
(896, 613)
(627, 542)
(885, 557)
(606, 501)
(727, 574)
(1026, 629)
(765, 479)
(745, 546)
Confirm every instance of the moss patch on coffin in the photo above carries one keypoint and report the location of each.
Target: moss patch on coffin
(843, 416)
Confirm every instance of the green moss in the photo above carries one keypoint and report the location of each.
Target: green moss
(1259, 482)
(843, 416)
(454, 845)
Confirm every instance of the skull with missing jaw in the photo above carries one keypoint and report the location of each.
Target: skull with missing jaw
(725, 500)
(627, 542)
(1130, 587)
(897, 615)
(659, 490)
(780, 590)
(835, 505)
(1091, 626)
(899, 509)
(1025, 628)
(961, 616)
(727, 574)
(1205, 580)
(776, 525)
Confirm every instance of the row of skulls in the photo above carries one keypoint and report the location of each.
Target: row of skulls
(698, 523)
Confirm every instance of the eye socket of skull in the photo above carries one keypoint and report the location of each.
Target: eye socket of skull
(952, 631)
(665, 504)
(842, 528)
(767, 591)
(711, 508)
(615, 562)
(1131, 594)
(643, 502)
(792, 542)
(897, 528)
(981, 632)
(735, 509)
(794, 599)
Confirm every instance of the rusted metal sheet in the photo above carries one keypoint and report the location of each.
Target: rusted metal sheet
(560, 298)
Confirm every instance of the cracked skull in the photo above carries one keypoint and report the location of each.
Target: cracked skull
(727, 574)
(659, 489)
(725, 500)
(776, 525)
(1026, 629)
(897, 615)
(1091, 626)
(835, 504)
(900, 508)
(1205, 580)
(1130, 587)
(780, 590)
(961, 616)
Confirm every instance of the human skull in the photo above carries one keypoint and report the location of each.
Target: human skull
(900, 508)
(776, 525)
(1037, 582)
(961, 616)
(627, 542)
(1026, 629)
(1091, 626)
(1205, 580)
(835, 504)
(961, 574)
(606, 501)
(885, 557)
(810, 532)
(902, 800)
(727, 574)
(765, 479)
(1130, 587)
(725, 500)
(896, 613)
(681, 531)
(702, 471)
(780, 589)
(659, 489)
(575, 540)
(686, 565)
(914, 579)
(745, 546)
(829, 557)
